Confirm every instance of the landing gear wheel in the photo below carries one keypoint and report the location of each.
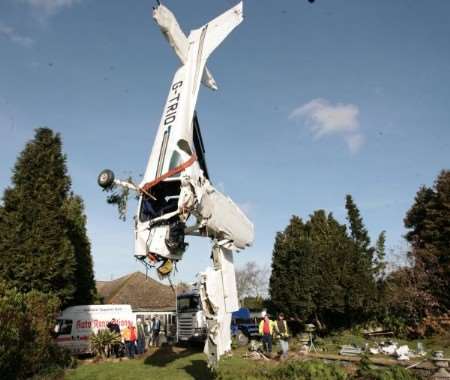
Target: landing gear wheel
(105, 178)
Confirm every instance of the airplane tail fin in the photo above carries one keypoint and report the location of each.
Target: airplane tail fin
(203, 41)
(173, 33)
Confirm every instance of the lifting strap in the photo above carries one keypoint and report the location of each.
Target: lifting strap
(177, 169)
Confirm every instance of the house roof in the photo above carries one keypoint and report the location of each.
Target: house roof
(141, 292)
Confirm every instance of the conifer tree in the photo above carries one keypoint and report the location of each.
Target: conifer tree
(380, 254)
(85, 292)
(364, 261)
(40, 226)
(319, 273)
(357, 230)
(292, 281)
(328, 240)
(429, 223)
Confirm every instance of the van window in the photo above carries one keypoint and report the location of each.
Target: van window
(64, 327)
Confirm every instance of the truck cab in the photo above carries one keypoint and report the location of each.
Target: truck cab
(243, 328)
(191, 321)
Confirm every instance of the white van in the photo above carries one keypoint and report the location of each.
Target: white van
(76, 324)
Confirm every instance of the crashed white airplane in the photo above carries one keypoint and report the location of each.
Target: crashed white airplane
(176, 197)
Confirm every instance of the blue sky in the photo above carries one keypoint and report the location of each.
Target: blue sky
(315, 101)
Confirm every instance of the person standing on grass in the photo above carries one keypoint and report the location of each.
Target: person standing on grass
(282, 334)
(266, 332)
(129, 343)
(156, 328)
(113, 326)
(133, 340)
(149, 332)
(140, 337)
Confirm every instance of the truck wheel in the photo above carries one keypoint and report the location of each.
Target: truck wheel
(105, 178)
(241, 338)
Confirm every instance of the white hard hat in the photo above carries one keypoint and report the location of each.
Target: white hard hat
(139, 320)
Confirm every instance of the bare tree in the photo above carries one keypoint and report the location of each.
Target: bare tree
(252, 280)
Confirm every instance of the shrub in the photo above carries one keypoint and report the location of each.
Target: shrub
(392, 373)
(366, 372)
(104, 339)
(26, 344)
(310, 370)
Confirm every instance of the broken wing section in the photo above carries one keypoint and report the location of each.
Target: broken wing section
(224, 219)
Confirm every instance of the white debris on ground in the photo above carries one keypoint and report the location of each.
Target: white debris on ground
(255, 351)
(389, 348)
(402, 353)
(349, 350)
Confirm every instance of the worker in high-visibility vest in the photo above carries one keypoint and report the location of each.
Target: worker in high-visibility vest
(282, 333)
(266, 332)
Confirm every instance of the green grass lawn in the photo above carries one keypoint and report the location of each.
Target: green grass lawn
(176, 363)
(167, 363)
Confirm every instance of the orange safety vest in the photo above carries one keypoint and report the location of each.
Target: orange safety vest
(133, 336)
(261, 327)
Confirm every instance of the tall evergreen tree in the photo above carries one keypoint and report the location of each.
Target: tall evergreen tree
(40, 226)
(292, 281)
(380, 255)
(319, 274)
(85, 292)
(429, 223)
(357, 230)
(329, 240)
(363, 257)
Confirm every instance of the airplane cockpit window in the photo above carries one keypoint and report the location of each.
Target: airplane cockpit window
(175, 161)
(165, 200)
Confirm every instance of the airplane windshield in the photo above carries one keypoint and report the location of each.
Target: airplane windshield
(166, 200)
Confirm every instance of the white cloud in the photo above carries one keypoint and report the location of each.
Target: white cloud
(326, 119)
(49, 7)
(13, 36)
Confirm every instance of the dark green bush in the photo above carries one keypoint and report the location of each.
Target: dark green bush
(291, 370)
(392, 373)
(26, 344)
(312, 370)
(366, 372)
(309, 370)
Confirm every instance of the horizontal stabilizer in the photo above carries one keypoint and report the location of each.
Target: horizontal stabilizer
(218, 29)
